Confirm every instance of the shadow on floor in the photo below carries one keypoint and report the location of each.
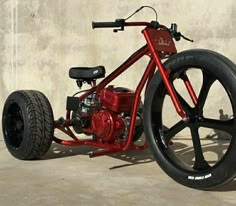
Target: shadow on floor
(183, 151)
(132, 157)
(59, 151)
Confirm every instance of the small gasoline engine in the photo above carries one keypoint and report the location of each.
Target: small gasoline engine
(107, 117)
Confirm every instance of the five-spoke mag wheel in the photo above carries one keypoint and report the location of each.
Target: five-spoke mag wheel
(198, 152)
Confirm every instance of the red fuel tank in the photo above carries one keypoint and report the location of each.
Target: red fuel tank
(117, 99)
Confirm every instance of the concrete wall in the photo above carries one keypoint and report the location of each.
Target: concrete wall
(42, 39)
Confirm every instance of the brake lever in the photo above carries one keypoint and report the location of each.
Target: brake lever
(117, 30)
(177, 35)
(187, 39)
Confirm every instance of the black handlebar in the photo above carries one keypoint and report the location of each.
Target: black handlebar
(118, 23)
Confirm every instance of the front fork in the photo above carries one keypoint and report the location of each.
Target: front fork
(165, 76)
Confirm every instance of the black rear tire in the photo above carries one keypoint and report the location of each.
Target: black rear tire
(27, 124)
(200, 174)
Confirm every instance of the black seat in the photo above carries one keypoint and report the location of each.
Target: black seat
(87, 73)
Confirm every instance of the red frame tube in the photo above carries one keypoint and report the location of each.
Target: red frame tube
(138, 91)
(164, 76)
(189, 87)
(146, 24)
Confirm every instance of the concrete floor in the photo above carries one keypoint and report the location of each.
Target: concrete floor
(67, 176)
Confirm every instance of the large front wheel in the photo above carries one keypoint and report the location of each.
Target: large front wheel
(201, 152)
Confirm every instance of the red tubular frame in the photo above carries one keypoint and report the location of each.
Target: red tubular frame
(190, 89)
(155, 60)
(164, 76)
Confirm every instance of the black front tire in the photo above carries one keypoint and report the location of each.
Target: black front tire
(201, 175)
(27, 124)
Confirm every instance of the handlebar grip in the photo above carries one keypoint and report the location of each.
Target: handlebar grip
(117, 23)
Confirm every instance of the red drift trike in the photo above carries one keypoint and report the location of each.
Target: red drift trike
(115, 118)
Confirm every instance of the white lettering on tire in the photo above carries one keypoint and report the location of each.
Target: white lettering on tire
(200, 177)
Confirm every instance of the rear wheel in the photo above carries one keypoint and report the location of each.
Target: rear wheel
(203, 152)
(27, 124)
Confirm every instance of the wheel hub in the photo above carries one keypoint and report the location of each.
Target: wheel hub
(19, 125)
(194, 118)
